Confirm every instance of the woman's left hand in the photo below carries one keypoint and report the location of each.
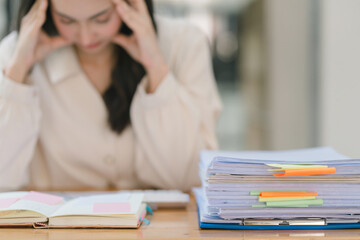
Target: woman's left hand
(142, 45)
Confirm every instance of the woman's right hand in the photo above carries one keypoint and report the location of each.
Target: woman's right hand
(33, 43)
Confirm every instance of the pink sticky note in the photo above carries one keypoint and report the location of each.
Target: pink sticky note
(7, 202)
(118, 207)
(43, 198)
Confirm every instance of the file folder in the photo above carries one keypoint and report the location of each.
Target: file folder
(277, 224)
(298, 189)
(204, 225)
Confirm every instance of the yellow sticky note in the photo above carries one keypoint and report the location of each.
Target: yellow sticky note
(281, 167)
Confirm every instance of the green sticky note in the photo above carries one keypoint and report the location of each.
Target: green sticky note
(296, 202)
(297, 206)
(293, 206)
(257, 193)
(274, 199)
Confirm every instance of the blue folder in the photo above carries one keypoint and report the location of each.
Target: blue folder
(232, 226)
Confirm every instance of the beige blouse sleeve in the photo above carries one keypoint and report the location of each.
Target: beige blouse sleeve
(19, 124)
(173, 124)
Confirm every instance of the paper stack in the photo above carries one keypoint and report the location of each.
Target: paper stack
(309, 183)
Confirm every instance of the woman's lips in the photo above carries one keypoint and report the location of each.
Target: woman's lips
(93, 45)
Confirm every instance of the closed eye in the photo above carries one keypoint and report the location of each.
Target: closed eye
(66, 21)
(103, 18)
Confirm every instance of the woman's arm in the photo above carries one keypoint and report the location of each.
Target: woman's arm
(19, 103)
(178, 120)
(19, 123)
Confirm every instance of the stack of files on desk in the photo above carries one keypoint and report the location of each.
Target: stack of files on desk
(314, 186)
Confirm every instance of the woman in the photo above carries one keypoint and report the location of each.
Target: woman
(86, 105)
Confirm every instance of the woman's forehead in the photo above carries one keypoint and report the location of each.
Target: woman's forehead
(80, 9)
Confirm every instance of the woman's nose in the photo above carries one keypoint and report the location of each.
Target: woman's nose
(85, 36)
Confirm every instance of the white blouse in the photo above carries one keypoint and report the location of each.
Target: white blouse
(54, 133)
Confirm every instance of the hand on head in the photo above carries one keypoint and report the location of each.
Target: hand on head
(33, 43)
(142, 45)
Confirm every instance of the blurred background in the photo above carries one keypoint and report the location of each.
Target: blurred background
(288, 72)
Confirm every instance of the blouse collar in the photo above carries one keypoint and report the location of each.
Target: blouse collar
(62, 64)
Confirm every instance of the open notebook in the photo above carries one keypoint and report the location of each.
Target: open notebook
(40, 210)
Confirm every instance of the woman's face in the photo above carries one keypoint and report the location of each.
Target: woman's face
(89, 24)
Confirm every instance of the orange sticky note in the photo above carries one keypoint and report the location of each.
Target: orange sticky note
(306, 172)
(287, 194)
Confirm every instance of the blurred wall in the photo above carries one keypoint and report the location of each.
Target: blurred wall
(251, 70)
(282, 91)
(310, 90)
(290, 95)
(339, 122)
(3, 17)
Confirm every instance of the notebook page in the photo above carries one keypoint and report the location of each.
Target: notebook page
(7, 200)
(19, 204)
(18, 194)
(39, 207)
(86, 205)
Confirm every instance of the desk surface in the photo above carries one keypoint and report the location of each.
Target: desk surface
(172, 224)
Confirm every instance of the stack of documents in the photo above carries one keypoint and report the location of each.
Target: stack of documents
(317, 186)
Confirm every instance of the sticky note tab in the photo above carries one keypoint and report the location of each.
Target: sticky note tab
(306, 172)
(42, 198)
(117, 207)
(287, 194)
(257, 193)
(146, 221)
(293, 166)
(292, 206)
(294, 203)
(274, 199)
(149, 210)
(7, 202)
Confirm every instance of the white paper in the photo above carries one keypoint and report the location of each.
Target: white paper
(34, 206)
(84, 205)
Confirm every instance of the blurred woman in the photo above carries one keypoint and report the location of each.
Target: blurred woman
(99, 93)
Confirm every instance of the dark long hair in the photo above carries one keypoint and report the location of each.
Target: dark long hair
(125, 77)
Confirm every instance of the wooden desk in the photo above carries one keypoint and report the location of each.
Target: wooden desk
(172, 224)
